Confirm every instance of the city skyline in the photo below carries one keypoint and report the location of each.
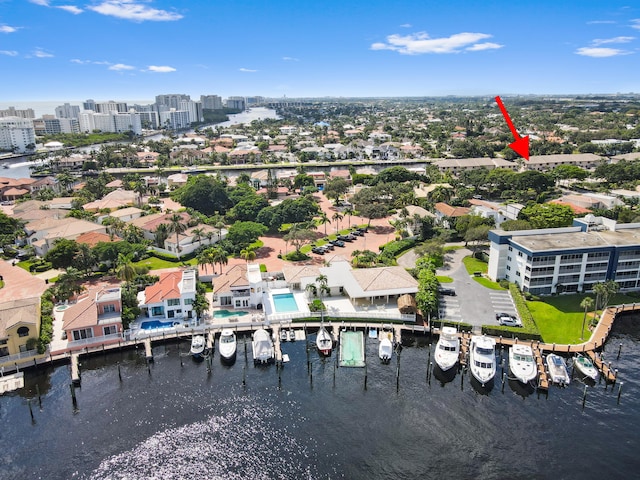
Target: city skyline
(124, 49)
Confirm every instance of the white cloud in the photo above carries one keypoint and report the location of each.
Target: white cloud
(604, 41)
(160, 69)
(635, 23)
(44, 3)
(10, 53)
(8, 29)
(131, 10)
(406, 25)
(600, 52)
(421, 43)
(39, 53)
(290, 59)
(71, 9)
(247, 70)
(600, 22)
(121, 66)
(478, 47)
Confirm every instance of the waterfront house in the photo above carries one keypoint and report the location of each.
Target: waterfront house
(112, 201)
(97, 315)
(171, 297)
(42, 233)
(19, 313)
(241, 286)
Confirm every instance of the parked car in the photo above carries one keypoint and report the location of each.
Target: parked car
(510, 321)
(328, 246)
(499, 315)
(447, 291)
(347, 238)
(358, 233)
(319, 250)
(338, 243)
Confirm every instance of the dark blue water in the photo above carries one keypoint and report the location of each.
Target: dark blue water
(179, 421)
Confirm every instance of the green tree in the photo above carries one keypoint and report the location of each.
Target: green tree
(242, 234)
(547, 215)
(248, 254)
(85, 260)
(124, 268)
(335, 188)
(324, 219)
(62, 253)
(587, 304)
(177, 226)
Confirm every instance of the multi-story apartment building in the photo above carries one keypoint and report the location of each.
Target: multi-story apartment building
(211, 102)
(194, 109)
(12, 112)
(236, 103)
(172, 100)
(571, 259)
(67, 111)
(17, 134)
(49, 125)
(111, 122)
(174, 119)
(111, 107)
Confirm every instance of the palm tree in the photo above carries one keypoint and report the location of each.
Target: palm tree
(220, 256)
(349, 212)
(248, 254)
(205, 258)
(161, 233)
(336, 218)
(209, 236)
(324, 219)
(587, 304)
(65, 180)
(124, 268)
(177, 226)
(197, 234)
(600, 290)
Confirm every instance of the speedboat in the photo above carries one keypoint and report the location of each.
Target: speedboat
(522, 363)
(447, 348)
(262, 346)
(227, 344)
(284, 336)
(385, 347)
(482, 358)
(291, 335)
(324, 341)
(197, 346)
(558, 369)
(585, 367)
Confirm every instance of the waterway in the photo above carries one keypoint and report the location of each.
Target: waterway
(173, 419)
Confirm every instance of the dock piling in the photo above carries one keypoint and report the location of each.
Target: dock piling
(619, 391)
(365, 376)
(619, 350)
(73, 396)
(584, 396)
(39, 396)
(503, 377)
(119, 372)
(33, 420)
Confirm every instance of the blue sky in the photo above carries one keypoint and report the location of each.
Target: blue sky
(136, 49)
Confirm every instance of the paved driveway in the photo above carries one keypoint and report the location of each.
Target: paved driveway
(473, 303)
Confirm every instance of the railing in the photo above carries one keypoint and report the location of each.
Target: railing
(279, 317)
(85, 342)
(19, 357)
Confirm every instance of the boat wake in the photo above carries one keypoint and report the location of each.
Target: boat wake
(242, 442)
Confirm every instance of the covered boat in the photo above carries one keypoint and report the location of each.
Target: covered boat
(262, 346)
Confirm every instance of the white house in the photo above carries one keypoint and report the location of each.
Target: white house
(241, 286)
(171, 297)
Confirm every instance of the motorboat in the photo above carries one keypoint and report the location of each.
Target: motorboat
(227, 344)
(522, 363)
(197, 346)
(284, 336)
(385, 347)
(324, 341)
(447, 348)
(557, 368)
(482, 358)
(585, 367)
(262, 345)
(291, 335)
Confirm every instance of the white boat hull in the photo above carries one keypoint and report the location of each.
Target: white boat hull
(197, 346)
(447, 349)
(227, 344)
(585, 367)
(482, 359)
(557, 368)
(522, 363)
(324, 342)
(385, 350)
(262, 346)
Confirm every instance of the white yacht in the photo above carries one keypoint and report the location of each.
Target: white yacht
(262, 345)
(482, 358)
(324, 341)
(385, 347)
(585, 367)
(558, 369)
(227, 344)
(522, 363)
(447, 348)
(197, 346)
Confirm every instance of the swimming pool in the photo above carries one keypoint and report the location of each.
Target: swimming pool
(227, 313)
(284, 302)
(149, 324)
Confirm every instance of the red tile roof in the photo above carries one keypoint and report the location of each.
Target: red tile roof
(166, 287)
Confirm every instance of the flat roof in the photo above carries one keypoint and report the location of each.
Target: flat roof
(577, 240)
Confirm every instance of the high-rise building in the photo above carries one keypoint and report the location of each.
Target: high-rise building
(174, 119)
(12, 112)
(16, 134)
(89, 105)
(111, 122)
(111, 106)
(172, 100)
(236, 103)
(67, 111)
(194, 109)
(254, 101)
(211, 102)
(52, 126)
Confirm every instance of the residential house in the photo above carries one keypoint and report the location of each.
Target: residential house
(43, 233)
(412, 216)
(457, 165)
(113, 200)
(19, 313)
(545, 163)
(96, 317)
(171, 297)
(241, 286)
(444, 212)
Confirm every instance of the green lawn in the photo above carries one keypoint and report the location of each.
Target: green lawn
(154, 263)
(559, 318)
(25, 264)
(474, 265)
(444, 279)
(485, 282)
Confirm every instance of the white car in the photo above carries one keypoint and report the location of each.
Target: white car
(509, 321)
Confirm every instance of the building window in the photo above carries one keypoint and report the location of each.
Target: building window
(109, 308)
(519, 254)
(517, 274)
(172, 302)
(23, 332)
(509, 259)
(110, 330)
(82, 334)
(155, 311)
(188, 301)
(508, 267)
(171, 314)
(510, 248)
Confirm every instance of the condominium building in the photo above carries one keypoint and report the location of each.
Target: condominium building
(172, 100)
(17, 134)
(236, 103)
(12, 112)
(67, 111)
(570, 259)
(111, 122)
(194, 109)
(211, 102)
(175, 119)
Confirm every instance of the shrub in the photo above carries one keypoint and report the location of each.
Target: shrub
(504, 283)
(296, 256)
(396, 247)
(263, 268)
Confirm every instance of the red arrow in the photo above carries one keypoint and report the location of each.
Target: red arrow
(521, 144)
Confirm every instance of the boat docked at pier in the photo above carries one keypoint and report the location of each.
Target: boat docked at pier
(385, 347)
(482, 358)
(447, 348)
(197, 347)
(227, 344)
(557, 368)
(585, 367)
(324, 342)
(522, 363)
(262, 346)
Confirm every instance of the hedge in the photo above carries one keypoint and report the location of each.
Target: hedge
(396, 247)
(46, 321)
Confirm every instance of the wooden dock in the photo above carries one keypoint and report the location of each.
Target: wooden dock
(148, 352)
(543, 377)
(277, 347)
(606, 371)
(465, 338)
